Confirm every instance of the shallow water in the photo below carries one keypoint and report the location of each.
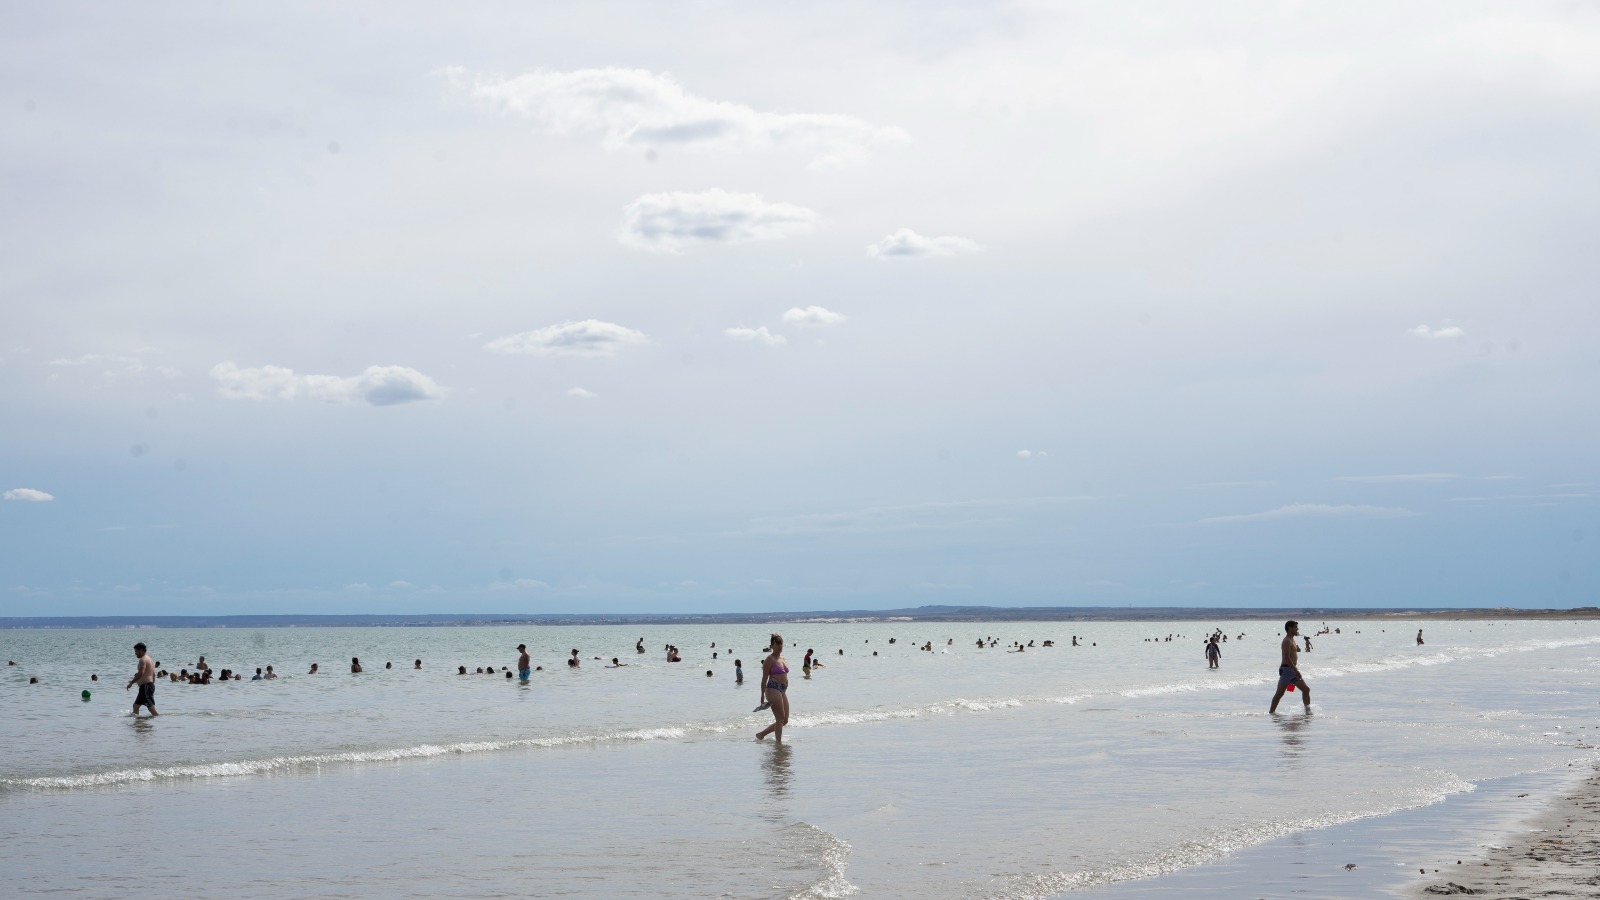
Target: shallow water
(955, 773)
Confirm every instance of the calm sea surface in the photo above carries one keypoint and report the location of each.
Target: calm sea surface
(958, 772)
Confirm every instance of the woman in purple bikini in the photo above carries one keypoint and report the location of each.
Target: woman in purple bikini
(775, 687)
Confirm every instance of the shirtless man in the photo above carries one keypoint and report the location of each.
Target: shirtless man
(1289, 670)
(145, 678)
(524, 664)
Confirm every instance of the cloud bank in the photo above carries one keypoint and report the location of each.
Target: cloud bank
(29, 494)
(591, 337)
(907, 244)
(1318, 511)
(377, 386)
(812, 316)
(669, 222)
(641, 110)
(1426, 333)
(760, 335)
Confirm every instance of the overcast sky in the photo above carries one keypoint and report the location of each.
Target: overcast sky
(609, 307)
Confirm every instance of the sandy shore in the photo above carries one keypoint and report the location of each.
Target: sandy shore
(1558, 857)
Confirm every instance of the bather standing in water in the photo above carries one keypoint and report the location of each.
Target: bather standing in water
(775, 688)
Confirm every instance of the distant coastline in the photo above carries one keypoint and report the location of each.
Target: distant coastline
(917, 614)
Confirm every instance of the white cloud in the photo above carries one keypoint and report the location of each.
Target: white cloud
(669, 222)
(641, 110)
(360, 587)
(907, 244)
(579, 393)
(1449, 331)
(930, 516)
(402, 586)
(1418, 478)
(1318, 511)
(29, 494)
(1030, 454)
(377, 386)
(591, 337)
(518, 583)
(761, 335)
(812, 316)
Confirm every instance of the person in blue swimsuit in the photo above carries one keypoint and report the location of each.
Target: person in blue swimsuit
(775, 687)
(524, 664)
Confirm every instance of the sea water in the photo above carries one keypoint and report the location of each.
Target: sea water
(950, 772)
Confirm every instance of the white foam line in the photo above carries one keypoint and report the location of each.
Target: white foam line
(1214, 847)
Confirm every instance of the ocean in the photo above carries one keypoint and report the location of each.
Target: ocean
(950, 772)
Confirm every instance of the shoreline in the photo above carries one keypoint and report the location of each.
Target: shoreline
(1473, 838)
(1556, 852)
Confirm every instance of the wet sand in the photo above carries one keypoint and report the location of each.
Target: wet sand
(1557, 856)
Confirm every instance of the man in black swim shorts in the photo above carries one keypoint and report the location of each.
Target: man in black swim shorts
(145, 678)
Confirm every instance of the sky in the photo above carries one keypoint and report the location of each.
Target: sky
(713, 306)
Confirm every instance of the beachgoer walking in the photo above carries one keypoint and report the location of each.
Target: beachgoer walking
(1289, 669)
(1419, 637)
(1213, 652)
(775, 686)
(738, 671)
(524, 664)
(145, 677)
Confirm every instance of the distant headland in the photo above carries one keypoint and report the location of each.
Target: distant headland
(916, 614)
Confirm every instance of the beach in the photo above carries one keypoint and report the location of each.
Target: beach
(1122, 766)
(1555, 854)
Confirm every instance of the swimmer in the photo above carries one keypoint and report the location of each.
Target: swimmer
(1213, 653)
(313, 669)
(616, 664)
(355, 666)
(639, 647)
(738, 671)
(461, 670)
(1289, 670)
(775, 686)
(417, 664)
(388, 665)
(144, 676)
(271, 674)
(257, 676)
(573, 663)
(524, 663)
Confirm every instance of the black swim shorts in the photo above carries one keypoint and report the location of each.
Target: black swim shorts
(147, 695)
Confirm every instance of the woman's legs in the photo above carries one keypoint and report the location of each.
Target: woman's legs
(780, 713)
(779, 702)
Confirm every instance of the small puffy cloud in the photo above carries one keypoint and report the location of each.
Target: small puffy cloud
(377, 386)
(518, 584)
(669, 222)
(758, 335)
(1031, 454)
(1426, 333)
(402, 586)
(29, 494)
(579, 393)
(1415, 478)
(907, 244)
(1317, 511)
(812, 316)
(591, 337)
(640, 110)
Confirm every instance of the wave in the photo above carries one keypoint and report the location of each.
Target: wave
(1213, 847)
(833, 852)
